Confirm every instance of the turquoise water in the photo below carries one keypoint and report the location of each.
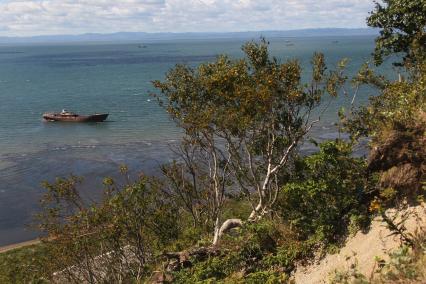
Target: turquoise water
(112, 78)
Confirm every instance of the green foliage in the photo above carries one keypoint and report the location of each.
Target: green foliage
(243, 120)
(351, 276)
(111, 240)
(189, 236)
(237, 95)
(399, 104)
(24, 265)
(267, 277)
(212, 269)
(395, 121)
(402, 266)
(234, 96)
(261, 252)
(402, 26)
(287, 254)
(328, 196)
(140, 216)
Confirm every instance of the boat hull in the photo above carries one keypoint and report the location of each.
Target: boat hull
(75, 117)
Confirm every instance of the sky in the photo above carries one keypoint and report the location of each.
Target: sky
(51, 17)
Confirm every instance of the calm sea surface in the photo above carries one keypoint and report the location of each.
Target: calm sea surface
(112, 78)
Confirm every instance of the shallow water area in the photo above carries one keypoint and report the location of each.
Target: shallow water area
(21, 180)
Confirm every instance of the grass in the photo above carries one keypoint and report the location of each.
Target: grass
(24, 265)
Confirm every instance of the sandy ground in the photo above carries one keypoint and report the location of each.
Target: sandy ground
(361, 249)
(18, 245)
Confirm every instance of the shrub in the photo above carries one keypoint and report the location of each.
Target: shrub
(24, 265)
(267, 277)
(112, 241)
(396, 122)
(328, 196)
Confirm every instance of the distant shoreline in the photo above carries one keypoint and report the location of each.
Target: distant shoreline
(7, 248)
(165, 36)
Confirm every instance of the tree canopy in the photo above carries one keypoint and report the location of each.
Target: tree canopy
(402, 25)
(248, 117)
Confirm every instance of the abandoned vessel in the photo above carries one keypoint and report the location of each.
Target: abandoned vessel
(68, 116)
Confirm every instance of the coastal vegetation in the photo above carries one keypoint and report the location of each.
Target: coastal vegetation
(244, 121)
(241, 203)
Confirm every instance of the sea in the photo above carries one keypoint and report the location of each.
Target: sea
(115, 78)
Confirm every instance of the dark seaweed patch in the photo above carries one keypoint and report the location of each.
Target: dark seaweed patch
(107, 58)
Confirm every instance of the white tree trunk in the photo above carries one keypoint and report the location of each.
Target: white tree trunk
(257, 209)
(216, 231)
(226, 226)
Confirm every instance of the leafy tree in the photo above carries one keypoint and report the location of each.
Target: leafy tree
(198, 182)
(395, 119)
(328, 195)
(402, 25)
(247, 118)
(113, 241)
(398, 104)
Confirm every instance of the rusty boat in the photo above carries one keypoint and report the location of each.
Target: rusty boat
(67, 116)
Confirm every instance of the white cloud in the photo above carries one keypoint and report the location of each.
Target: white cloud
(36, 17)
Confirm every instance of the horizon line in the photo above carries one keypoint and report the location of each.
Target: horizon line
(183, 32)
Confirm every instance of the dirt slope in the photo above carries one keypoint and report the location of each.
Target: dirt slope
(362, 248)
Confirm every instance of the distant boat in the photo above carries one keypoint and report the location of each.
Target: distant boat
(68, 116)
(289, 44)
(142, 46)
(336, 41)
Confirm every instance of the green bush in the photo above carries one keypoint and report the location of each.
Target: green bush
(24, 265)
(328, 195)
(262, 252)
(323, 203)
(118, 238)
(267, 277)
(286, 255)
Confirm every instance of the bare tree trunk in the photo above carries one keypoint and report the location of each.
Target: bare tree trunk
(257, 209)
(217, 228)
(226, 226)
(262, 194)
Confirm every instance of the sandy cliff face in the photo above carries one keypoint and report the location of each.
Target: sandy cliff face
(362, 249)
